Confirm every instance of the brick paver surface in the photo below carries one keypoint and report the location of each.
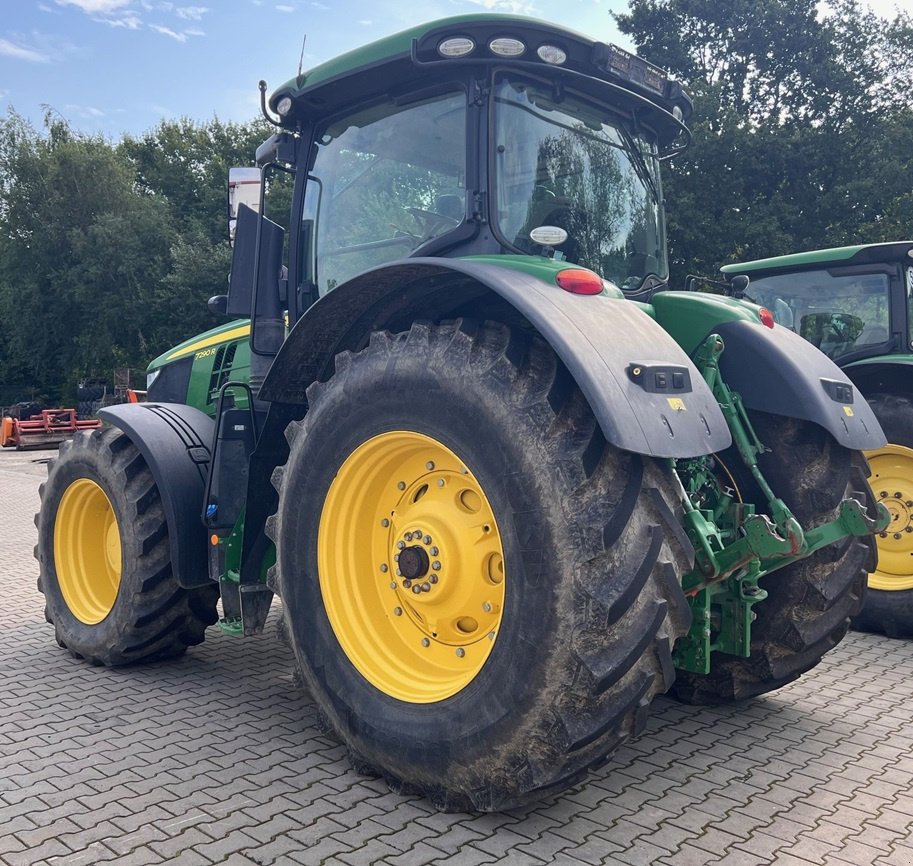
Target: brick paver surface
(217, 758)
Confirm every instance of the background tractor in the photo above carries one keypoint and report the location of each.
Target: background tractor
(507, 492)
(855, 304)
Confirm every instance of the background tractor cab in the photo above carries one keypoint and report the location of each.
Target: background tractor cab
(856, 304)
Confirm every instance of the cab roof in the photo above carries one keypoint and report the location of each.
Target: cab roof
(413, 55)
(859, 254)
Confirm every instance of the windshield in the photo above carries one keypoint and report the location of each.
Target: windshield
(838, 312)
(566, 163)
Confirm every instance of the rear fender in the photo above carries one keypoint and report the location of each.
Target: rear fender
(175, 441)
(621, 359)
(888, 374)
(776, 371)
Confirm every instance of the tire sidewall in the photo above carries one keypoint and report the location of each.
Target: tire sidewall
(484, 714)
(72, 466)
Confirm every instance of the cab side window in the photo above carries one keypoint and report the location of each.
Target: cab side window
(385, 180)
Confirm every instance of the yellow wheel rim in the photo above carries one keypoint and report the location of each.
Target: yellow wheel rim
(892, 483)
(87, 551)
(411, 567)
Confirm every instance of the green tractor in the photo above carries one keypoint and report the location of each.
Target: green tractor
(506, 491)
(856, 304)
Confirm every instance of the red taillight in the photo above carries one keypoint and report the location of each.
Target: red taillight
(579, 282)
(767, 317)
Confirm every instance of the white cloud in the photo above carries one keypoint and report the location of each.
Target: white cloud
(365, 22)
(167, 31)
(87, 112)
(22, 52)
(191, 13)
(128, 22)
(285, 8)
(513, 7)
(194, 31)
(96, 7)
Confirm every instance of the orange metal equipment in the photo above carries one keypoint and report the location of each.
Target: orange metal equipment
(49, 428)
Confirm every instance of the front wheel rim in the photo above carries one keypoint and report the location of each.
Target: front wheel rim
(892, 483)
(411, 567)
(87, 551)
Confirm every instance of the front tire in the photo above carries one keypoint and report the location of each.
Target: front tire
(889, 603)
(549, 630)
(809, 604)
(105, 560)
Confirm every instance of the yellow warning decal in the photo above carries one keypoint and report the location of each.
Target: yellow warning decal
(676, 404)
(848, 410)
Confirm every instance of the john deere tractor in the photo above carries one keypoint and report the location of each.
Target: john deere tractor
(507, 491)
(856, 304)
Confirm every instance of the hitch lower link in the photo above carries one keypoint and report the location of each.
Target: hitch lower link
(723, 587)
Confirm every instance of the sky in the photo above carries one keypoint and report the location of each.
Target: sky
(121, 66)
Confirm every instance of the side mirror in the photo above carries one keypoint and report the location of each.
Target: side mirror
(738, 285)
(244, 187)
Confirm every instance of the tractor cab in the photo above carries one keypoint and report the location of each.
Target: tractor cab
(480, 136)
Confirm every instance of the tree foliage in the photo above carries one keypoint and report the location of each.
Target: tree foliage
(107, 251)
(799, 125)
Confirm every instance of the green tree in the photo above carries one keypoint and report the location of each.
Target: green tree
(798, 125)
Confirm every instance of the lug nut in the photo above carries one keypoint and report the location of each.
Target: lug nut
(401, 545)
(417, 589)
(407, 583)
(384, 567)
(897, 535)
(908, 529)
(426, 587)
(883, 494)
(399, 573)
(426, 642)
(429, 465)
(434, 551)
(433, 577)
(398, 611)
(417, 534)
(401, 485)
(898, 495)
(461, 652)
(426, 539)
(883, 534)
(486, 607)
(440, 482)
(385, 522)
(408, 536)
(392, 584)
(436, 565)
(396, 557)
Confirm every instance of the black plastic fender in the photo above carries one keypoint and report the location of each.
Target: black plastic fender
(617, 354)
(175, 441)
(776, 371)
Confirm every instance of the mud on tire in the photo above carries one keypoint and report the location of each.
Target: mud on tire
(592, 552)
(118, 612)
(809, 604)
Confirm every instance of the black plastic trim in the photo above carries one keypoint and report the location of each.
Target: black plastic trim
(596, 337)
(175, 441)
(776, 371)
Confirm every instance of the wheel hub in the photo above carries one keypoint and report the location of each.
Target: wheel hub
(413, 562)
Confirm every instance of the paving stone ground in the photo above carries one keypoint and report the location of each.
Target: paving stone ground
(217, 758)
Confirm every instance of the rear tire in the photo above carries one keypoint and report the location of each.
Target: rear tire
(105, 560)
(809, 603)
(587, 606)
(889, 603)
